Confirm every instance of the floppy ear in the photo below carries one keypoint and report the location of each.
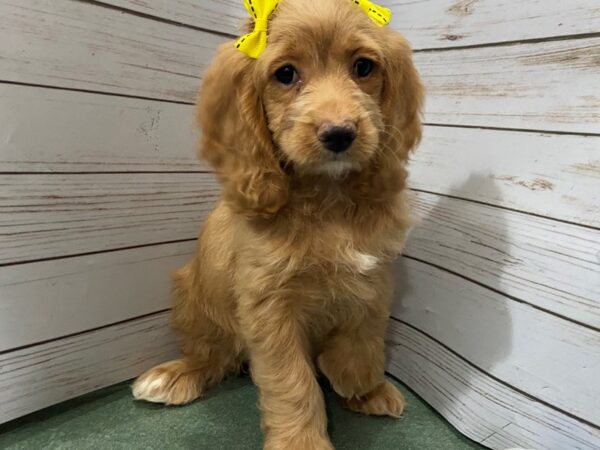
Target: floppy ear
(403, 94)
(235, 138)
(401, 105)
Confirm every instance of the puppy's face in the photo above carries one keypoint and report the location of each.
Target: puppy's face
(332, 93)
(322, 78)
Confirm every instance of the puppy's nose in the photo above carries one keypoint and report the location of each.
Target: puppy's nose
(337, 137)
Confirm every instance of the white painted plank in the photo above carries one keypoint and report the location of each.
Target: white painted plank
(93, 291)
(552, 175)
(44, 216)
(50, 130)
(36, 377)
(446, 23)
(541, 86)
(81, 45)
(553, 265)
(426, 23)
(484, 409)
(224, 16)
(550, 358)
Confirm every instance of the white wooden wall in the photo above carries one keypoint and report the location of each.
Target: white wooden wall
(497, 317)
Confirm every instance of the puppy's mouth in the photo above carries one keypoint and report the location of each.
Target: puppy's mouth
(334, 165)
(338, 168)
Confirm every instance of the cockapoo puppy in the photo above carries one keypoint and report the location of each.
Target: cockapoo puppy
(292, 268)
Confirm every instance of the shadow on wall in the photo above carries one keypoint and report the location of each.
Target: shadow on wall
(455, 243)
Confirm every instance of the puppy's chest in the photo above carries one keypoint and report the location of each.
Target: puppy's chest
(334, 250)
(340, 271)
(345, 256)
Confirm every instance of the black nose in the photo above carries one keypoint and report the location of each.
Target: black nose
(337, 138)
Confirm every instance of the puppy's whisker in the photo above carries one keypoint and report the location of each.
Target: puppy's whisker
(396, 140)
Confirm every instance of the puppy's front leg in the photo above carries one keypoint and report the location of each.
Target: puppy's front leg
(293, 411)
(354, 362)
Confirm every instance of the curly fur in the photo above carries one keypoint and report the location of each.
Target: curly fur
(291, 272)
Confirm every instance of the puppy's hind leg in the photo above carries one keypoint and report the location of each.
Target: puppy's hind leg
(209, 352)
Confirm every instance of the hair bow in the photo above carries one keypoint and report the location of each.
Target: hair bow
(378, 14)
(254, 43)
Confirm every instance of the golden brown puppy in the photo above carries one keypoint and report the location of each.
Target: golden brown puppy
(291, 273)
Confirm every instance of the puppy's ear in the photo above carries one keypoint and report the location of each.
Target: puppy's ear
(235, 138)
(403, 97)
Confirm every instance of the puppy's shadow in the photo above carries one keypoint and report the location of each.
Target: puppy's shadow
(448, 286)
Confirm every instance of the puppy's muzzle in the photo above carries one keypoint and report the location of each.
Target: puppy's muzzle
(337, 137)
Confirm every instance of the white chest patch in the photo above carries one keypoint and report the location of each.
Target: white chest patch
(363, 262)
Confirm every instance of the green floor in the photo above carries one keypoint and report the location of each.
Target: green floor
(227, 418)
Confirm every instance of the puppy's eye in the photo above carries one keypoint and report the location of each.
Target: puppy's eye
(286, 74)
(363, 67)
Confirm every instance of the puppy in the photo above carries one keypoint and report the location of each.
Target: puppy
(291, 273)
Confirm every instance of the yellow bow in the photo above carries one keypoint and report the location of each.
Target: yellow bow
(253, 44)
(378, 14)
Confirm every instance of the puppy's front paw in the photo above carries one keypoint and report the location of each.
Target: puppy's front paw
(384, 400)
(171, 383)
(303, 441)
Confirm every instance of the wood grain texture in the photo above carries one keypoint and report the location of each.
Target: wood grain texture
(92, 291)
(223, 16)
(447, 23)
(552, 265)
(481, 407)
(36, 377)
(47, 216)
(79, 45)
(426, 23)
(556, 176)
(50, 130)
(541, 354)
(540, 86)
